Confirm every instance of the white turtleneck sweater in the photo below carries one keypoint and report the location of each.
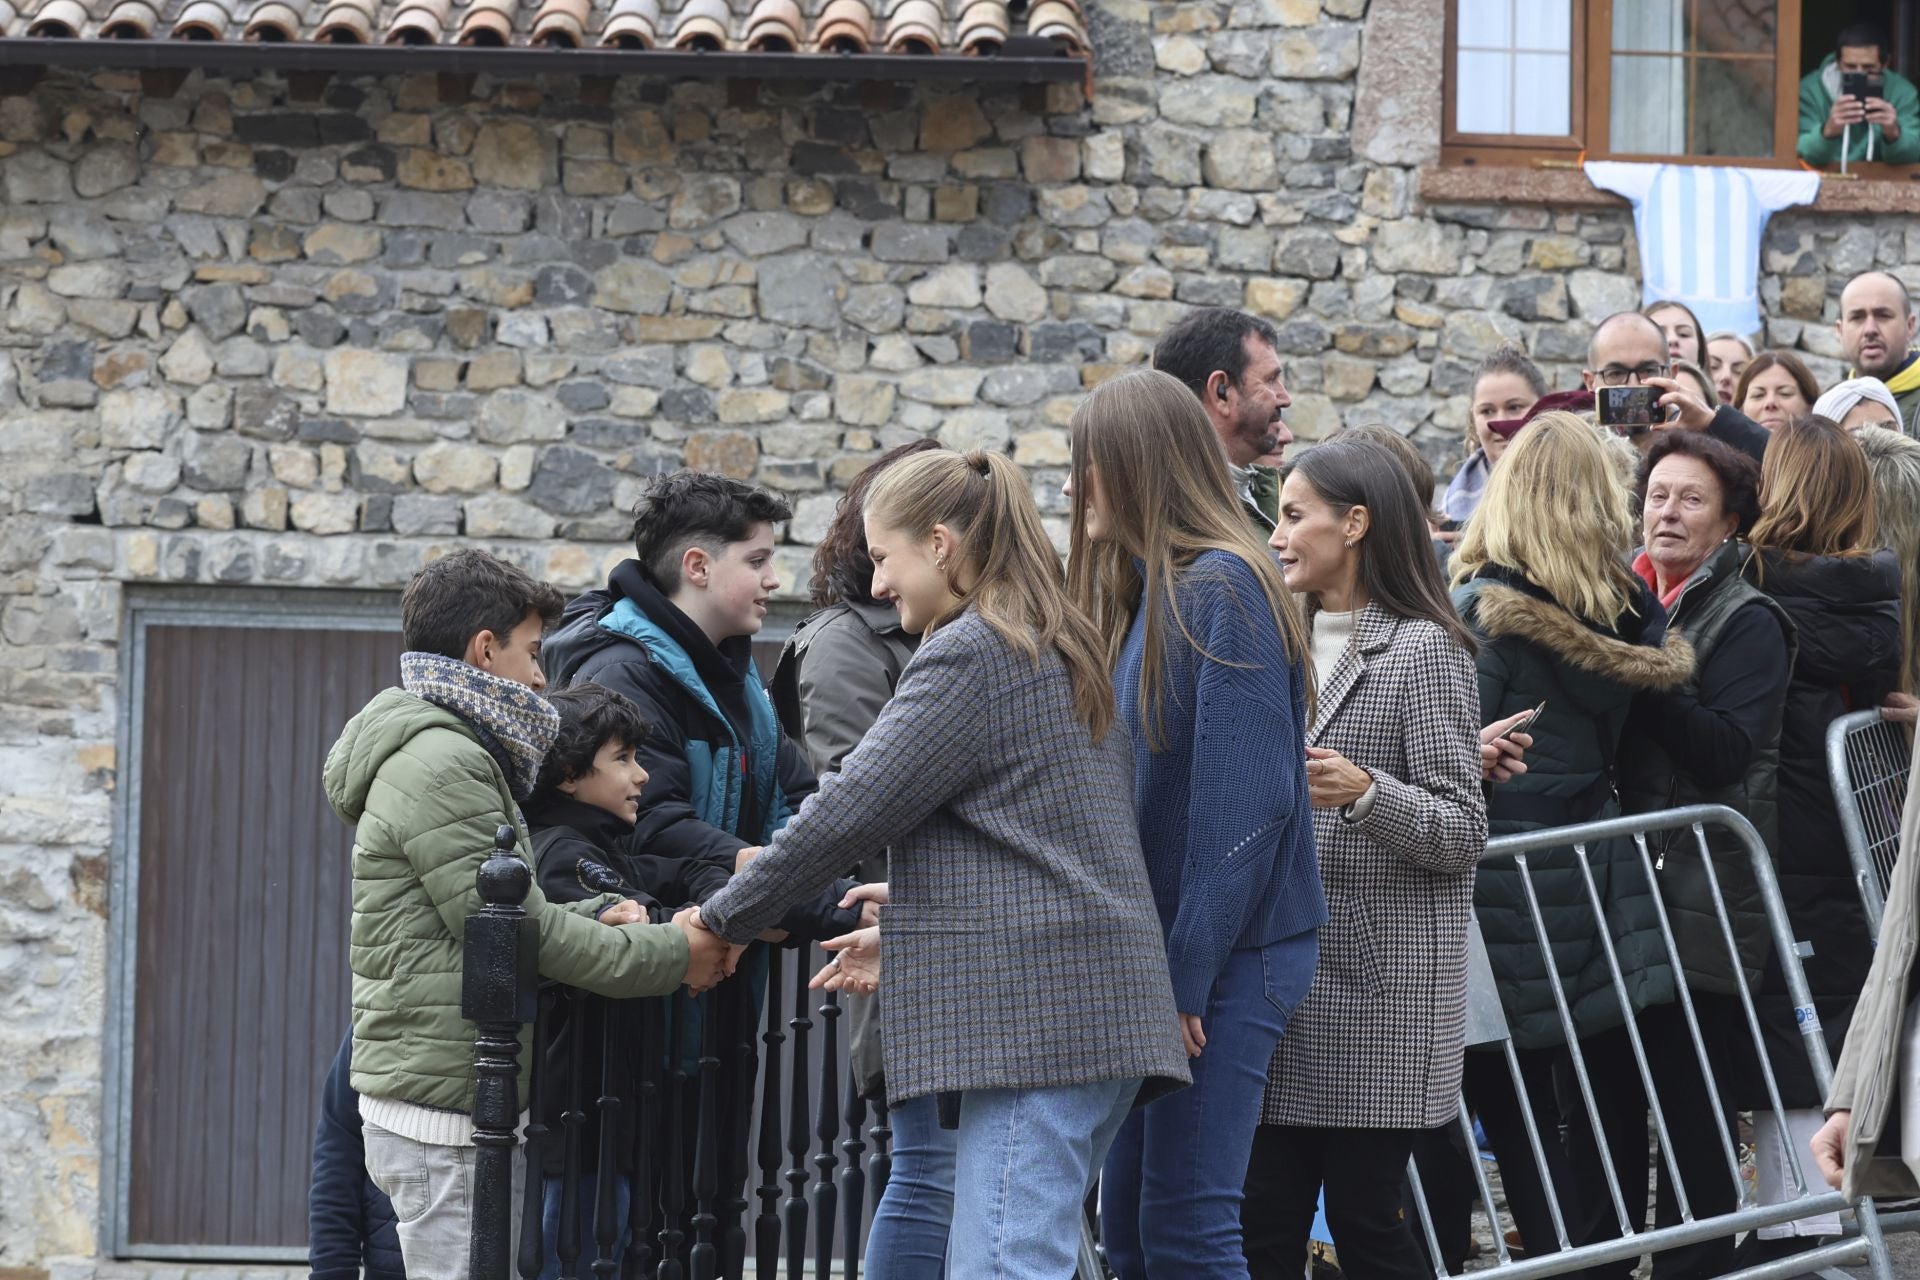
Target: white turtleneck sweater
(1332, 633)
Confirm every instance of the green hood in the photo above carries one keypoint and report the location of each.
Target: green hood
(381, 729)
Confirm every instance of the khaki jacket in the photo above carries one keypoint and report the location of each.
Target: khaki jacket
(1866, 1080)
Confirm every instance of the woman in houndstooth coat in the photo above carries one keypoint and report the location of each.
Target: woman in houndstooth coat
(1373, 1054)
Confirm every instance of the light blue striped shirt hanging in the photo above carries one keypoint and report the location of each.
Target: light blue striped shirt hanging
(1699, 229)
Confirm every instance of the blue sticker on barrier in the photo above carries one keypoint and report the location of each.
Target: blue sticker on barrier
(1807, 1017)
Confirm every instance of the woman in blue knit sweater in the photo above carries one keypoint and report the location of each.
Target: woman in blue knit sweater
(1209, 661)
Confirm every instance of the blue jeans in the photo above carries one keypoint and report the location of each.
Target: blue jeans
(1170, 1194)
(909, 1236)
(585, 1189)
(1026, 1160)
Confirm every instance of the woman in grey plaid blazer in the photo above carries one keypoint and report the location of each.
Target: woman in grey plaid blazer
(1373, 1055)
(1024, 965)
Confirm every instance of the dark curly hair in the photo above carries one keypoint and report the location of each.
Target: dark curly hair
(591, 716)
(842, 569)
(697, 509)
(1738, 474)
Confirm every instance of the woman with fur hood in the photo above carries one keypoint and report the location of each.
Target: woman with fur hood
(1541, 579)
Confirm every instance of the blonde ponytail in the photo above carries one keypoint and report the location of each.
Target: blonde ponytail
(1018, 587)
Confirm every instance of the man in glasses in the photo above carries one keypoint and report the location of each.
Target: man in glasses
(1627, 350)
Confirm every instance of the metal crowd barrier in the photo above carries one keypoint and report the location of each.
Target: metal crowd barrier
(1630, 1203)
(729, 1084)
(1868, 759)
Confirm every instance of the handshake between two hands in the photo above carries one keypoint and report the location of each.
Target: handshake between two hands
(711, 959)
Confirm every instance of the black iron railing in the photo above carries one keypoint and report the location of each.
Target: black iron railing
(655, 1127)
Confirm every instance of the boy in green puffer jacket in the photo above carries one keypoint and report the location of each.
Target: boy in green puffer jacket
(427, 773)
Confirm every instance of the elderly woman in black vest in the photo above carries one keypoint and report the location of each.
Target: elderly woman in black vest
(1715, 739)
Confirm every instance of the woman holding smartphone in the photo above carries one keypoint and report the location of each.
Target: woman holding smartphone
(1541, 580)
(1209, 675)
(1025, 971)
(1371, 1060)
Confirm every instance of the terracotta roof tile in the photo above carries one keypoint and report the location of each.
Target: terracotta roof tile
(925, 27)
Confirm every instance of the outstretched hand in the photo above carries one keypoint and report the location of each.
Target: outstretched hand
(856, 964)
(709, 958)
(1900, 708)
(871, 898)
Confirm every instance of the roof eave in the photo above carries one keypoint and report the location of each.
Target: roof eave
(519, 60)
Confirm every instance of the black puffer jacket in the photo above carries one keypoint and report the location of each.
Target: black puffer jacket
(1715, 740)
(721, 776)
(1846, 610)
(1532, 649)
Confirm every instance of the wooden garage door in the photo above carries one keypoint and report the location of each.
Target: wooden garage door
(239, 978)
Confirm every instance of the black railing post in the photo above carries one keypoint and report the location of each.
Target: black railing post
(703, 1263)
(798, 1109)
(673, 1173)
(642, 1193)
(738, 1066)
(853, 1178)
(614, 1025)
(533, 1243)
(880, 1163)
(498, 993)
(766, 1226)
(827, 1128)
(566, 1243)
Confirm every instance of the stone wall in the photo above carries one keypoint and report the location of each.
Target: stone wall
(250, 340)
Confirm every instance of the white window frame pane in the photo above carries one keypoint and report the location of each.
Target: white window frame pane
(1543, 25)
(1485, 24)
(1543, 94)
(1483, 92)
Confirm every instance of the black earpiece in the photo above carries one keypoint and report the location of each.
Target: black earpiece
(1220, 392)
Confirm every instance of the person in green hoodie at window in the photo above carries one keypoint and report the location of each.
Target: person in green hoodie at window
(427, 774)
(1884, 129)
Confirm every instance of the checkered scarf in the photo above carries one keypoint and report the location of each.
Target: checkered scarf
(513, 722)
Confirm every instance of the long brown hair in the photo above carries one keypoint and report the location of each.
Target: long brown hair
(1396, 568)
(1018, 587)
(1816, 493)
(1556, 510)
(842, 569)
(1166, 497)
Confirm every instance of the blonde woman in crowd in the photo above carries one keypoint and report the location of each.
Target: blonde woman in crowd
(1541, 579)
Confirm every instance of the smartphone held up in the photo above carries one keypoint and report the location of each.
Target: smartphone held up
(1629, 411)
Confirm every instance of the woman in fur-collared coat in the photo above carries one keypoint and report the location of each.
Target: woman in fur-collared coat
(1540, 577)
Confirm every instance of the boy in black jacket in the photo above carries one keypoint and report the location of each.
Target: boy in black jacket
(581, 816)
(583, 811)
